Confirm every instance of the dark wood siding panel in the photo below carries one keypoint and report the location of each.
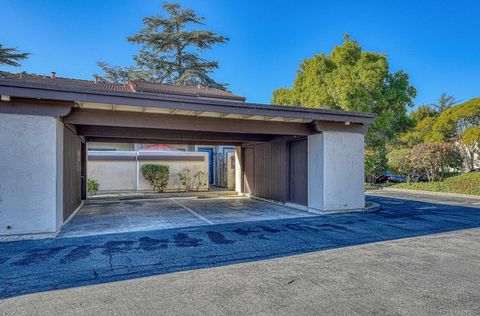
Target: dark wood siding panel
(83, 167)
(265, 171)
(248, 170)
(72, 181)
(298, 173)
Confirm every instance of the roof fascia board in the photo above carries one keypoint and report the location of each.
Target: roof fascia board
(54, 109)
(340, 127)
(181, 103)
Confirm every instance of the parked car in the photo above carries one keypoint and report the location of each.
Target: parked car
(419, 177)
(390, 177)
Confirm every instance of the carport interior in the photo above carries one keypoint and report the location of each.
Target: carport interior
(263, 159)
(271, 155)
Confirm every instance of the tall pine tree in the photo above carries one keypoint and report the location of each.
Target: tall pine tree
(10, 57)
(170, 52)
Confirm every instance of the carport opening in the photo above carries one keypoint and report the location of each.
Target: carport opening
(126, 201)
(136, 169)
(208, 158)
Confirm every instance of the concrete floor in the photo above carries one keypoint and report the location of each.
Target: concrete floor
(143, 215)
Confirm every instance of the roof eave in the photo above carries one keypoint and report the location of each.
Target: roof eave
(82, 94)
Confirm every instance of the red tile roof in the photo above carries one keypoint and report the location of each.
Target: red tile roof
(198, 91)
(133, 86)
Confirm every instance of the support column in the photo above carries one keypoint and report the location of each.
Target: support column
(336, 171)
(31, 173)
(238, 169)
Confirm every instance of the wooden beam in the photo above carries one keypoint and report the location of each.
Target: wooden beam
(183, 122)
(151, 133)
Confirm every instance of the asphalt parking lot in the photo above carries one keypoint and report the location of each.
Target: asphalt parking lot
(59, 263)
(435, 274)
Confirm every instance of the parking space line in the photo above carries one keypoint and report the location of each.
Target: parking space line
(192, 211)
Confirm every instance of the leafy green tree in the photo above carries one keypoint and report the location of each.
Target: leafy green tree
(422, 112)
(422, 133)
(454, 122)
(355, 80)
(435, 159)
(471, 145)
(444, 102)
(170, 51)
(10, 57)
(400, 161)
(375, 162)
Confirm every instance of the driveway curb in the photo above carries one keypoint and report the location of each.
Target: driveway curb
(375, 207)
(468, 196)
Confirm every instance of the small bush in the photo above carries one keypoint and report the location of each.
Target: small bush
(92, 186)
(186, 179)
(200, 179)
(156, 175)
(375, 162)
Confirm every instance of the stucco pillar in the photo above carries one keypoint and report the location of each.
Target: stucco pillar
(238, 169)
(31, 173)
(336, 171)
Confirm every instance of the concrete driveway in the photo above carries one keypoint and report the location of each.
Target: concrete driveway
(141, 215)
(42, 265)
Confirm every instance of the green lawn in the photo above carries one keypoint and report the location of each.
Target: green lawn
(378, 185)
(467, 183)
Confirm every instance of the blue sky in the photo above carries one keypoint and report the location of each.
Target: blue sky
(436, 42)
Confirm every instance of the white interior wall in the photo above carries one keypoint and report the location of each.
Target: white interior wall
(230, 170)
(118, 175)
(176, 167)
(113, 175)
(31, 186)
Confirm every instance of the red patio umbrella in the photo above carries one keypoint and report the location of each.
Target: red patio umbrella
(159, 147)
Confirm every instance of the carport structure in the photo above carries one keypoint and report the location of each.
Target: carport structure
(304, 156)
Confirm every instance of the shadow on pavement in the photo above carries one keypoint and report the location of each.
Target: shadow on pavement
(42, 265)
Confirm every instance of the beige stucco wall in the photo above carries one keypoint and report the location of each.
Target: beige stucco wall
(31, 186)
(113, 175)
(175, 168)
(118, 175)
(336, 171)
